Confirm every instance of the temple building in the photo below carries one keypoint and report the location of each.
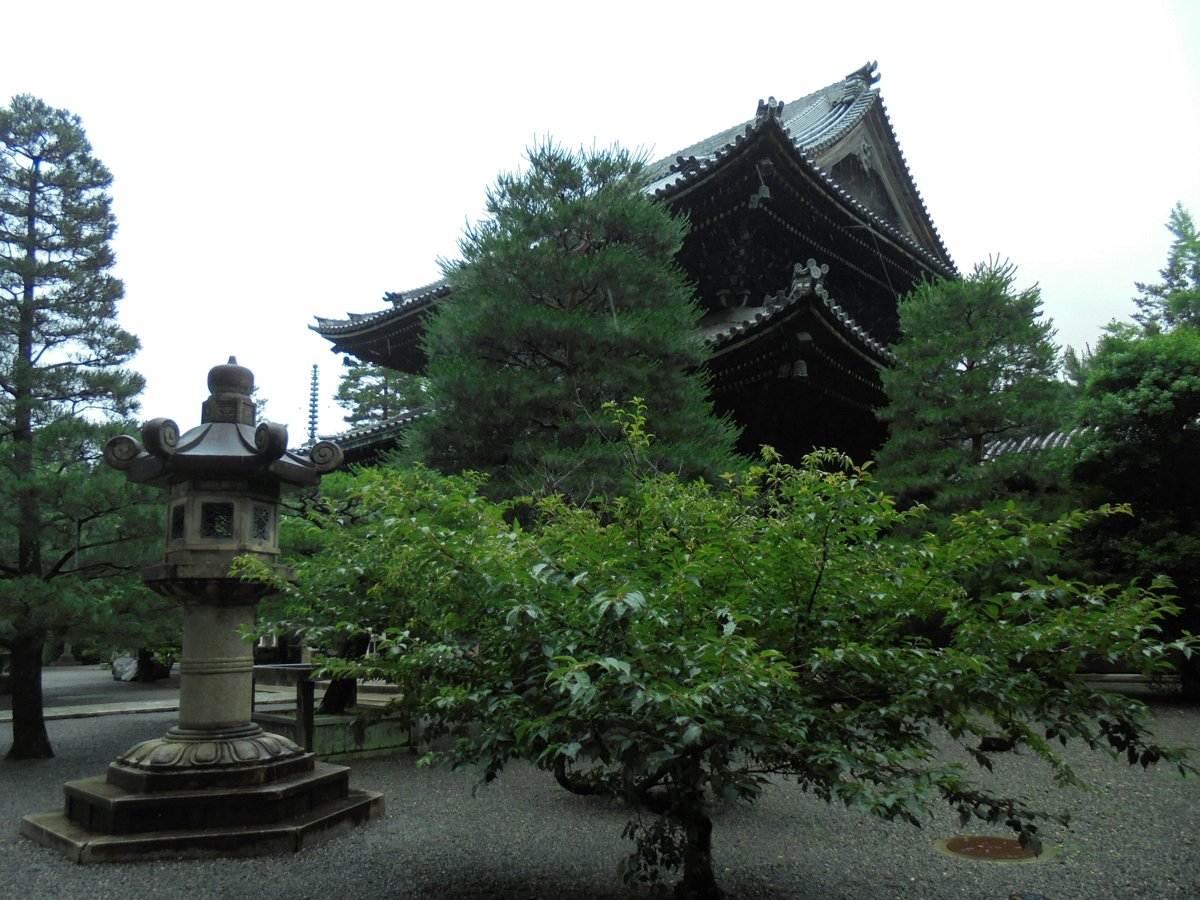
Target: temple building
(806, 230)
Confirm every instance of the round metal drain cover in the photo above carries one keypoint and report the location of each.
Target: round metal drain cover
(993, 849)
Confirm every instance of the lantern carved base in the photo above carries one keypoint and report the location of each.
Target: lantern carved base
(189, 748)
(186, 757)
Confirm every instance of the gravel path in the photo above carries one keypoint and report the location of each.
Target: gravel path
(1138, 835)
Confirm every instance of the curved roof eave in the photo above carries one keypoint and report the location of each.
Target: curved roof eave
(911, 184)
(693, 172)
(810, 125)
(403, 303)
(365, 435)
(806, 286)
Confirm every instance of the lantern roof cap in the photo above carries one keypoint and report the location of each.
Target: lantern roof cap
(228, 444)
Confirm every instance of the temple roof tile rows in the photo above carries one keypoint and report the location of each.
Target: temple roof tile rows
(1055, 440)
(795, 358)
(813, 122)
(399, 300)
(725, 326)
(365, 435)
(810, 124)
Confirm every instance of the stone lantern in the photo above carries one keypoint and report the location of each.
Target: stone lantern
(224, 480)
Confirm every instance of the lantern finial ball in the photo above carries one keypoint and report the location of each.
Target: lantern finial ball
(230, 379)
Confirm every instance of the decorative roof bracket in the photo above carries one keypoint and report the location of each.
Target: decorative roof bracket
(807, 278)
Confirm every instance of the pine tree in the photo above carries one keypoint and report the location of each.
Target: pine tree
(62, 368)
(976, 363)
(1175, 300)
(568, 297)
(371, 393)
(1140, 407)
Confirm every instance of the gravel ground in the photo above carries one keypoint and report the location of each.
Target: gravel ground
(1136, 836)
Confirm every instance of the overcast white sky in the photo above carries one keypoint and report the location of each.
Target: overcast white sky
(278, 161)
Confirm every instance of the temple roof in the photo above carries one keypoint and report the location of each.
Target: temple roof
(399, 300)
(721, 329)
(814, 122)
(1055, 440)
(817, 126)
(724, 327)
(843, 124)
(362, 439)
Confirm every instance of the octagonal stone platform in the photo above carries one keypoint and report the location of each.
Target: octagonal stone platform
(105, 822)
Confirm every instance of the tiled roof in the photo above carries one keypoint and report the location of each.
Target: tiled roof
(1032, 444)
(937, 235)
(728, 325)
(430, 291)
(812, 124)
(400, 302)
(369, 434)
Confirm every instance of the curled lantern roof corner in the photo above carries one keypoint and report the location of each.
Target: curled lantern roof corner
(227, 444)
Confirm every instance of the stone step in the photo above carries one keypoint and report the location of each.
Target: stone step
(99, 805)
(292, 834)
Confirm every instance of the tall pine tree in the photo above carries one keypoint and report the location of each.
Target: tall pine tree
(1140, 408)
(1174, 301)
(62, 370)
(371, 393)
(568, 297)
(975, 364)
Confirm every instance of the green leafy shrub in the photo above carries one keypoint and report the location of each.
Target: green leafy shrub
(691, 642)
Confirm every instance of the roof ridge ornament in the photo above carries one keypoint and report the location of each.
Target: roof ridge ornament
(685, 165)
(867, 74)
(807, 278)
(767, 110)
(858, 82)
(764, 191)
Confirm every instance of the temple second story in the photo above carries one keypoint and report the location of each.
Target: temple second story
(806, 230)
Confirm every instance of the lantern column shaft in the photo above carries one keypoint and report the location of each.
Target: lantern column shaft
(217, 668)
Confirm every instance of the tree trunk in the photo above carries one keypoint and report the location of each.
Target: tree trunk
(684, 803)
(1189, 669)
(699, 882)
(29, 513)
(342, 692)
(30, 740)
(976, 453)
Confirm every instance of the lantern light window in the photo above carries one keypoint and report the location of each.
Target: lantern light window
(216, 520)
(261, 523)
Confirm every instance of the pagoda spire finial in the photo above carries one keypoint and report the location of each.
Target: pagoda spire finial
(312, 406)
